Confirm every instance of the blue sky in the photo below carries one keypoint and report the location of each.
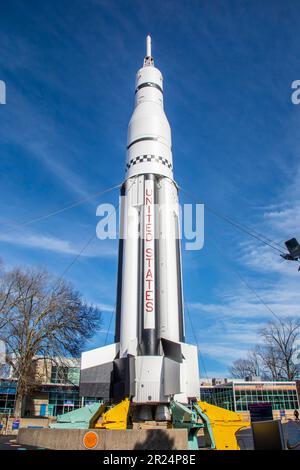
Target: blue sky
(69, 68)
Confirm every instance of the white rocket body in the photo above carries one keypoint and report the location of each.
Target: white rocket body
(150, 361)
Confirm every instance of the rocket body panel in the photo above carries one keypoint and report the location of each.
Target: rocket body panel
(169, 294)
(149, 150)
(129, 295)
(149, 121)
(151, 274)
(152, 364)
(149, 135)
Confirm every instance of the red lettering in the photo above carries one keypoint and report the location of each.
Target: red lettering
(149, 294)
(149, 306)
(149, 252)
(149, 274)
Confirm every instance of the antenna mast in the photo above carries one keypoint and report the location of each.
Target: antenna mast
(148, 61)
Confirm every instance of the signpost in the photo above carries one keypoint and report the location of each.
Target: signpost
(16, 424)
(68, 403)
(282, 413)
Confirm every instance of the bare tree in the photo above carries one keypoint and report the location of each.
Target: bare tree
(277, 356)
(281, 348)
(242, 368)
(269, 361)
(41, 317)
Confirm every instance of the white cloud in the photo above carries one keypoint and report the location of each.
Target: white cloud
(235, 317)
(45, 242)
(227, 329)
(266, 260)
(106, 308)
(244, 305)
(285, 220)
(225, 353)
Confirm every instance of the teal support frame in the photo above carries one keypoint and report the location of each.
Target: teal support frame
(186, 417)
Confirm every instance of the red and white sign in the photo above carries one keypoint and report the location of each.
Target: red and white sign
(149, 266)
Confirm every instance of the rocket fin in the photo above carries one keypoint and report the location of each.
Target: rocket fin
(97, 368)
(172, 350)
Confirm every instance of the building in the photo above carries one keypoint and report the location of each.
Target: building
(55, 389)
(236, 395)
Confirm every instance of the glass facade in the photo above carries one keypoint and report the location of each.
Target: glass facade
(65, 375)
(282, 396)
(67, 399)
(64, 400)
(237, 396)
(219, 396)
(74, 375)
(7, 395)
(63, 395)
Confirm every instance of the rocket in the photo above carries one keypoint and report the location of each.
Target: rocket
(149, 362)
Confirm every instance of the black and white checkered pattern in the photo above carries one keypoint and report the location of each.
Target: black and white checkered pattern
(148, 158)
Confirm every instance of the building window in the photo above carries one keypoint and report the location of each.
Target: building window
(7, 395)
(238, 396)
(280, 399)
(64, 401)
(74, 375)
(59, 375)
(91, 400)
(65, 375)
(222, 396)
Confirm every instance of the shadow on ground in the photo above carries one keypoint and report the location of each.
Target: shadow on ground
(160, 440)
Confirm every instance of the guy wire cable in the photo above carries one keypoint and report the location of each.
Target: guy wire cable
(62, 209)
(85, 246)
(239, 226)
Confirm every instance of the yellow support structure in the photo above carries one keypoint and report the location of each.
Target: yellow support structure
(97, 415)
(224, 424)
(115, 417)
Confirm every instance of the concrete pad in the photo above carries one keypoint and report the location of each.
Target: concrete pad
(105, 439)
